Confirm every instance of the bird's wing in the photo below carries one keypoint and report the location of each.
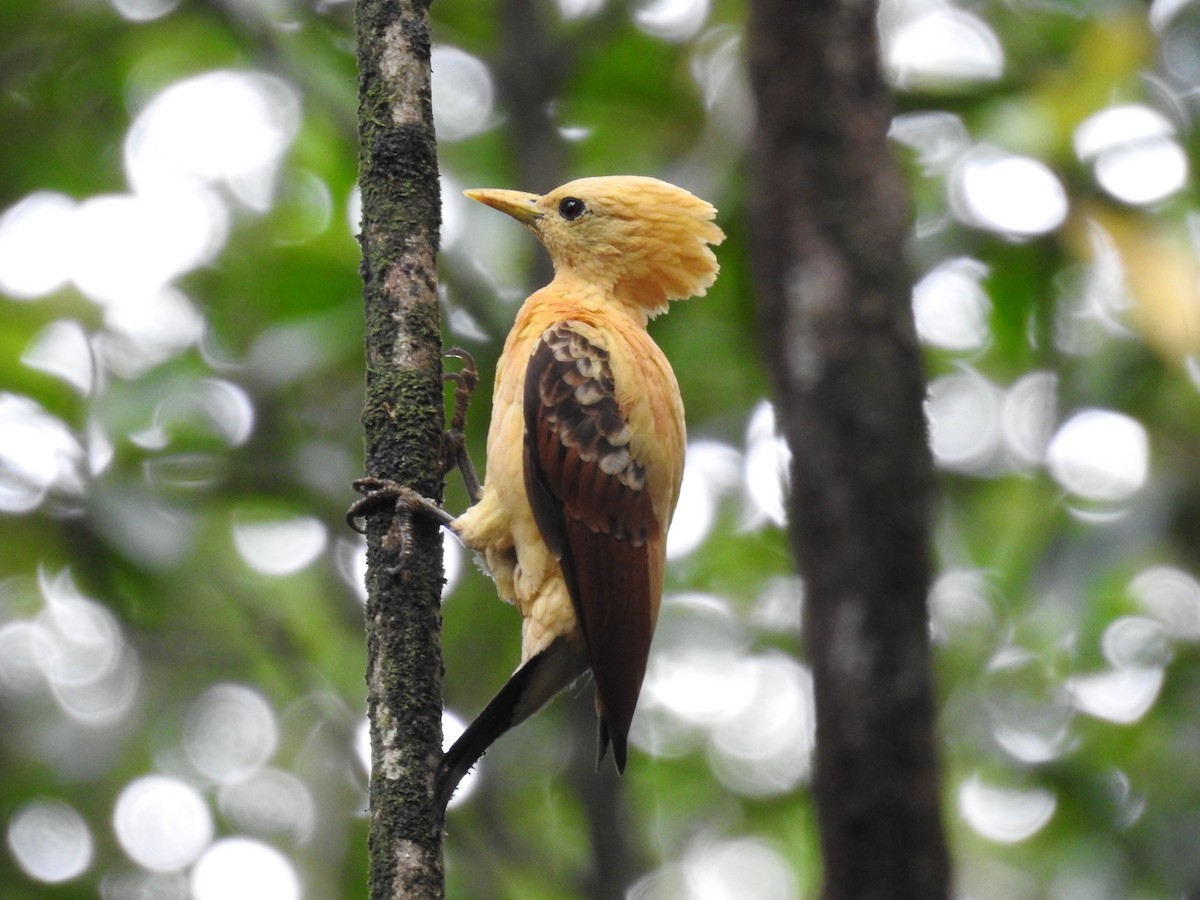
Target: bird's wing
(590, 500)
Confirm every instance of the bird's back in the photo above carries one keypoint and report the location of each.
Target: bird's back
(580, 553)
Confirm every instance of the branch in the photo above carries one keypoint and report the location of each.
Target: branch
(830, 230)
(403, 421)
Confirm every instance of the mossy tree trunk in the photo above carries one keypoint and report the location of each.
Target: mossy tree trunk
(831, 223)
(403, 421)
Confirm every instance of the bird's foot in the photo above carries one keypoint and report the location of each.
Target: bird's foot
(455, 438)
(403, 502)
(465, 381)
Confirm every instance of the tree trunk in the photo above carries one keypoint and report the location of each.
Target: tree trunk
(403, 421)
(830, 223)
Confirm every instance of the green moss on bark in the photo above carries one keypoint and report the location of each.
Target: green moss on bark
(402, 421)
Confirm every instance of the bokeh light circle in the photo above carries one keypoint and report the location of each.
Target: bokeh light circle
(241, 868)
(50, 841)
(162, 823)
(230, 732)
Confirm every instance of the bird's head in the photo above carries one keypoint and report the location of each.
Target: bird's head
(644, 240)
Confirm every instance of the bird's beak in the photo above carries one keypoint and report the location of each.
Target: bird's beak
(521, 206)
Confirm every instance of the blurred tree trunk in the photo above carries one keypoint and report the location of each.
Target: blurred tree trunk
(831, 221)
(403, 421)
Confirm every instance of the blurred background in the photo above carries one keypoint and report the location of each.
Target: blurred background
(181, 636)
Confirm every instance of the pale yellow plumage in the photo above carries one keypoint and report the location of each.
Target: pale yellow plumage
(588, 422)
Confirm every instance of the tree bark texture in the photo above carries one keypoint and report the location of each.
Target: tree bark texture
(830, 224)
(403, 421)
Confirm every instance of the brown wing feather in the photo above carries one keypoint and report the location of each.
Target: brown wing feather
(589, 500)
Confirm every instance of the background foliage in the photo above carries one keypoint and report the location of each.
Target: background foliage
(181, 656)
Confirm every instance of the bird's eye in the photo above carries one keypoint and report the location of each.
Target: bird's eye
(571, 208)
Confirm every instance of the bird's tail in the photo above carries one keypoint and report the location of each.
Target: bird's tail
(604, 736)
(529, 689)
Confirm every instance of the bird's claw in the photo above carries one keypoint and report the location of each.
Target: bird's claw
(378, 493)
(465, 381)
(404, 503)
(466, 357)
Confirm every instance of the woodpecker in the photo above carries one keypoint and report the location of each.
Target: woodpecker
(585, 449)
